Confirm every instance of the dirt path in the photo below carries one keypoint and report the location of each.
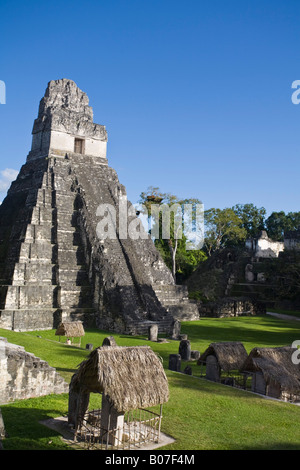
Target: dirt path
(283, 316)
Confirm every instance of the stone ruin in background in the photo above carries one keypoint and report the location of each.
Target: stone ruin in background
(53, 266)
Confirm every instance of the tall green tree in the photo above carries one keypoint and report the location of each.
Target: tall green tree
(279, 222)
(223, 227)
(172, 247)
(252, 217)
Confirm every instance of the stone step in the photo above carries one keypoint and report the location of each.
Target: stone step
(88, 316)
(142, 327)
(30, 296)
(184, 312)
(44, 196)
(39, 250)
(73, 276)
(30, 319)
(75, 297)
(38, 232)
(42, 215)
(71, 257)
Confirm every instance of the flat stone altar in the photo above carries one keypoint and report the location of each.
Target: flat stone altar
(61, 426)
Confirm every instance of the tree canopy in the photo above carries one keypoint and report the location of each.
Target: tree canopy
(252, 217)
(222, 228)
(173, 248)
(279, 223)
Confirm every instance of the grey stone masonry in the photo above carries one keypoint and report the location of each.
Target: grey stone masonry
(24, 375)
(53, 265)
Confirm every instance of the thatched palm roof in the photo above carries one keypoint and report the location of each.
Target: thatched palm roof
(230, 355)
(275, 364)
(73, 329)
(131, 377)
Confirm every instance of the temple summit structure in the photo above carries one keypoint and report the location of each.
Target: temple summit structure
(54, 267)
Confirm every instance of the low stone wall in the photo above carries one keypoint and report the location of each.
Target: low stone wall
(231, 307)
(23, 375)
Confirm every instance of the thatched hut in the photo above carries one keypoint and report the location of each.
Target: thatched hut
(224, 356)
(71, 329)
(129, 379)
(273, 372)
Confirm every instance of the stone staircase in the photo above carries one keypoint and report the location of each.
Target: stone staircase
(75, 297)
(30, 301)
(175, 300)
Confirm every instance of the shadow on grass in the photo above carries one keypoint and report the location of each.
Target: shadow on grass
(229, 418)
(272, 446)
(22, 423)
(203, 385)
(263, 331)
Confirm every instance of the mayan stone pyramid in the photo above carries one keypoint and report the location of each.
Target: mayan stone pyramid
(54, 267)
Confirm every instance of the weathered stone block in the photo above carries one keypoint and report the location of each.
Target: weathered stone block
(187, 370)
(176, 327)
(153, 333)
(175, 362)
(25, 376)
(109, 341)
(213, 371)
(195, 355)
(185, 350)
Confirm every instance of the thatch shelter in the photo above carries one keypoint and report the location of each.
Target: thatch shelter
(129, 379)
(72, 329)
(273, 372)
(224, 356)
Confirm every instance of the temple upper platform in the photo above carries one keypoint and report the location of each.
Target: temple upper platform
(65, 124)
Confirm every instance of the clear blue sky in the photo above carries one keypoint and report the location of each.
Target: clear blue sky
(195, 95)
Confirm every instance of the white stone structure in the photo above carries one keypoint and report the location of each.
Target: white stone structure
(263, 247)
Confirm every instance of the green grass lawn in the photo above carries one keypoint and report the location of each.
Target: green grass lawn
(199, 414)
